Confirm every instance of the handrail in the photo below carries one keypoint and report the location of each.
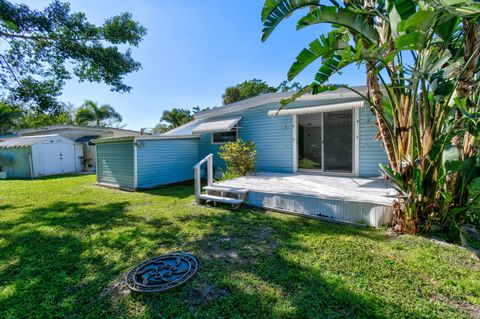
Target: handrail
(198, 181)
(203, 160)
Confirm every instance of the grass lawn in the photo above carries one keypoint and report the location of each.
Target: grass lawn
(65, 245)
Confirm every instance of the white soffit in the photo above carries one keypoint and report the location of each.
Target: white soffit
(216, 126)
(318, 109)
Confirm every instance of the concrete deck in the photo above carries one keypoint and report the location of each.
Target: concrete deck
(350, 199)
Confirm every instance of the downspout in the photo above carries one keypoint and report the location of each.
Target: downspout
(135, 167)
(31, 164)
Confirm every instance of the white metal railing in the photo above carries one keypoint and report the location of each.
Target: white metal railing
(198, 178)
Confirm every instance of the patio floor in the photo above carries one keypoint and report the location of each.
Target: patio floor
(351, 199)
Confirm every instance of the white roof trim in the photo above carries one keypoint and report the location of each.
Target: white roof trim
(263, 99)
(318, 109)
(25, 141)
(216, 126)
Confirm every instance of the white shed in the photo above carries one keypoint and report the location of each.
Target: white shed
(42, 155)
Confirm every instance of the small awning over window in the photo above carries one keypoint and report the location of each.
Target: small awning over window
(87, 138)
(318, 109)
(216, 126)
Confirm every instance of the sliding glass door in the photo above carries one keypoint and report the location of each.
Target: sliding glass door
(310, 142)
(338, 141)
(325, 142)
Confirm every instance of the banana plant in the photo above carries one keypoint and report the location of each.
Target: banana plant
(421, 66)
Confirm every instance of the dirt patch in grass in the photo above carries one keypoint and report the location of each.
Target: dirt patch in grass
(462, 305)
(242, 249)
(116, 290)
(205, 293)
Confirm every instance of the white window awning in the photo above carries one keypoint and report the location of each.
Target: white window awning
(318, 109)
(217, 126)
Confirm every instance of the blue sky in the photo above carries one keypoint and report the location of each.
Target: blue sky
(192, 52)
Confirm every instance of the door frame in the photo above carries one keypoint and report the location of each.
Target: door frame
(356, 148)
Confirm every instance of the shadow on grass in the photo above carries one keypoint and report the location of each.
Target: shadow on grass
(68, 260)
(75, 215)
(55, 261)
(180, 191)
(246, 272)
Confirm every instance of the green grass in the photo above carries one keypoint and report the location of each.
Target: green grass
(65, 245)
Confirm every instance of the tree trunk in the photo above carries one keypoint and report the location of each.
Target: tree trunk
(376, 95)
(467, 84)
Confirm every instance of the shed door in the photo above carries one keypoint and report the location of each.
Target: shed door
(67, 158)
(51, 157)
(59, 158)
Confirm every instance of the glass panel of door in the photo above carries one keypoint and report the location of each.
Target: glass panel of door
(325, 141)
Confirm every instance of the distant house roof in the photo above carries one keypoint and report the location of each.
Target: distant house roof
(74, 127)
(25, 141)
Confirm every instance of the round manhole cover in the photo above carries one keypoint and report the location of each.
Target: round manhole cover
(162, 273)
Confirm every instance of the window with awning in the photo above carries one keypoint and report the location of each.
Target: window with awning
(217, 126)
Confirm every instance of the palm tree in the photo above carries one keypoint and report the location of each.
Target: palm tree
(413, 101)
(176, 117)
(8, 117)
(92, 114)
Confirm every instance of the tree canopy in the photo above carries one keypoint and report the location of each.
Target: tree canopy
(44, 48)
(255, 87)
(9, 116)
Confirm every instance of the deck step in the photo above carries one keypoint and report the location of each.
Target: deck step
(226, 189)
(220, 199)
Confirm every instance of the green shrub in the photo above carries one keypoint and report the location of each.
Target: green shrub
(473, 213)
(240, 158)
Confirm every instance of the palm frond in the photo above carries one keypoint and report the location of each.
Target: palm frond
(319, 48)
(355, 22)
(274, 11)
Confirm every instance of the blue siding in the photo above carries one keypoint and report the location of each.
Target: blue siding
(371, 151)
(20, 162)
(161, 162)
(273, 138)
(115, 164)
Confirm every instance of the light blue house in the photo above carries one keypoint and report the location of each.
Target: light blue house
(319, 136)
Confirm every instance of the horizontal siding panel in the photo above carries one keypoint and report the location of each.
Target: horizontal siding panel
(20, 165)
(273, 139)
(371, 151)
(115, 164)
(162, 162)
(371, 214)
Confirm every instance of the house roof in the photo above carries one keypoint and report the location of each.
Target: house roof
(25, 141)
(276, 98)
(340, 95)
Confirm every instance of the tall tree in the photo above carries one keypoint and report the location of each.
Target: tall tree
(9, 116)
(43, 49)
(245, 90)
(285, 87)
(31, 119)
(176, 117)
(413, 101)
(90, 113)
